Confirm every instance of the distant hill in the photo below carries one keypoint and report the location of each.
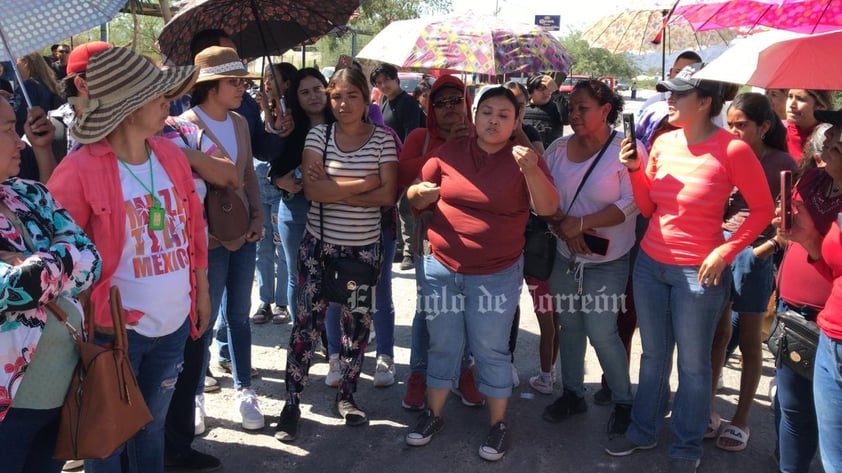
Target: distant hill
(653, 60)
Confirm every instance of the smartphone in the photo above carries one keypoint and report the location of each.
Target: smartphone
(628, 129)
(596, 244)
(786, 200)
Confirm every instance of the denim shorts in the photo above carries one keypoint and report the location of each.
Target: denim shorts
(753, 283)
(473, 310)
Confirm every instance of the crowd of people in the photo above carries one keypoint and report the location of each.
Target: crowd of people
(672, 228)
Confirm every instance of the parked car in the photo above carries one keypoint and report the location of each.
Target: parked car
(567, 85)
(410, 80)
(622, 86)
(328, 71)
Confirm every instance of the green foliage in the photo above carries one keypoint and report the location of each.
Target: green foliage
(597, 61)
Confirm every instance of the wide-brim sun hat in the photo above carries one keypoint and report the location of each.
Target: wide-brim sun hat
(684, 82)
(217, 63)
(119, 82)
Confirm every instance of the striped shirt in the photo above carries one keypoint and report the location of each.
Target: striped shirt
(685, 190)
(346, 224)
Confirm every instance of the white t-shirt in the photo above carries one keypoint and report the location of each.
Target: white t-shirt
(223, 131)
(345, 224)
(608, 184)
(154, 270)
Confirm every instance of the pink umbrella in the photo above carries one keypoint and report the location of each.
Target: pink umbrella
(802, 16)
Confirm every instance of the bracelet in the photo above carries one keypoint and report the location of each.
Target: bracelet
(581, 223)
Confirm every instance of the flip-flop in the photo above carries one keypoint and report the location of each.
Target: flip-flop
(732, 432)
(714, 426)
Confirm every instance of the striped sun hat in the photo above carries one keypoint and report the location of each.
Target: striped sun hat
(120, 82)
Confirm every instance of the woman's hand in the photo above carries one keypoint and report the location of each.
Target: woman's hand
(288, 182)
(628, 155)
(577, 245)
(710, 272)
(203, 310)
(283, 123)
(804, 231)
(428, 192)
(569, 228)
(459, 130)
(316, 172)
(525, 158)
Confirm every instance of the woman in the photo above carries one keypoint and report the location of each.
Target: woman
(40, 82)
(681, 276)
(307, 103)
(803, 288)
(797, 429)
(219, 90)
(800, 105)
(461, 267)
(596, 201)
(133, 193)
(44, 257)
(350, 171)
(421, 94)
(448, 119)
(543, 112)
(750, 118)
(778, 97)
(271, 265)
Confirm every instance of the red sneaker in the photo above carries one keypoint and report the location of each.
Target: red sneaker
(416, 388)
(468, 391)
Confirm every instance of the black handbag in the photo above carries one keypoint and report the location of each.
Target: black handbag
(793, 340)
(539, 249)
(346, 281)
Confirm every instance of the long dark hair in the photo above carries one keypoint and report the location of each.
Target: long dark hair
(603, 94)
(291, 156)
(757, 108)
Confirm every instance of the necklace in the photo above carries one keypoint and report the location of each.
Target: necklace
(156, 211)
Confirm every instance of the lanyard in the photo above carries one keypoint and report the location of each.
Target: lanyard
(156, 211)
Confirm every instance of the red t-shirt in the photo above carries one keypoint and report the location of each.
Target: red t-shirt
(478, 223)
(830, 265)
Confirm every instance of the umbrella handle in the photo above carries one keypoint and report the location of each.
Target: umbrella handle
(15, 68)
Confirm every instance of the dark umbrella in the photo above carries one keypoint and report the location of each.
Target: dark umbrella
(257, 27)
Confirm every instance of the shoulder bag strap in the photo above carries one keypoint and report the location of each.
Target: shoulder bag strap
(321, 204)
(590, 169)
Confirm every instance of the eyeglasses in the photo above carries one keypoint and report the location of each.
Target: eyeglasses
(452, 101)
(235, 82)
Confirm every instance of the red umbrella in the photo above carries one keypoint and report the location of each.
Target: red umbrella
(802, 16)
(257, 27)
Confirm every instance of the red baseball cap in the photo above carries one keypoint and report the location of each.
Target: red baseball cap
(77, 62)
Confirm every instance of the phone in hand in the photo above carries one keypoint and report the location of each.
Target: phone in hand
(786, 200)
(628, 129)
(597, 244)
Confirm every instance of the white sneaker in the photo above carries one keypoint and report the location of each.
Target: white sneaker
(543, 386)
(515, 377)
(334, 372)
(246, 406)
(384, 374)
(199, 420)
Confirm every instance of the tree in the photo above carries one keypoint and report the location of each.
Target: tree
(597, 61)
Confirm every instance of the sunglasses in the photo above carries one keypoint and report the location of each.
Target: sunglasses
(453, 101)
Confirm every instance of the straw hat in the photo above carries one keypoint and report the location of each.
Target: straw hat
(217, 63)
(120, 82)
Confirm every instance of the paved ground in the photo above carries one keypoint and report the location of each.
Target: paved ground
(325, 443)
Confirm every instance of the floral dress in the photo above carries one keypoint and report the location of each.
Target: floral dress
(62, 262)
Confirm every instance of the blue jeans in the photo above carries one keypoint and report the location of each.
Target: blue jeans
(827, 392)
(230, 276)
(420, 341)
(271, 263)
(156, 363)
(473, 310)
(674, 310)
(592, 315)
(384, 308)
(292, 219)
(28, 437)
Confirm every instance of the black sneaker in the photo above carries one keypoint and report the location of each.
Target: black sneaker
(347, 409)
(262, 314)
(287, 428)
(602, 397)
(197, 462)
(427, 426)
(407, 263)
(619, 420)
(494, 446)
(563, 407)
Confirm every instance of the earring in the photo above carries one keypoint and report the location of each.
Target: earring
(763, 136)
